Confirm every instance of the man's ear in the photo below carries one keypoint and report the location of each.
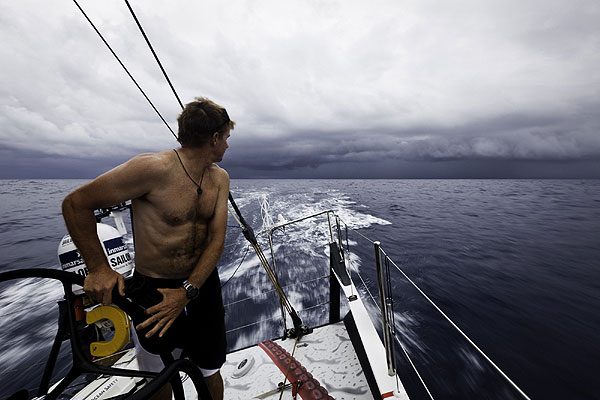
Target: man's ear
(214, 138)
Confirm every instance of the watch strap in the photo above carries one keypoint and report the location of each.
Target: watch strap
(192, 291)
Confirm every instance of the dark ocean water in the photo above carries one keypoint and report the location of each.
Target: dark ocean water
(514, 263)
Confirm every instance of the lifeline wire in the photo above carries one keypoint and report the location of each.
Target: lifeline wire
(488, 359)
(514, 385)
(125, 68)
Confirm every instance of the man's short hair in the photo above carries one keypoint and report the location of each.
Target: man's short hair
(199, 120)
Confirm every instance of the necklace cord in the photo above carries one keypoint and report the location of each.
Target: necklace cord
(188, 175)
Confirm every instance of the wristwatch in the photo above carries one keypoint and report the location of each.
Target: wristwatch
(192, 291)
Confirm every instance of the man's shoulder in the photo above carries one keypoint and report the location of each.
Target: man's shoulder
(157, 162)
(220, 174)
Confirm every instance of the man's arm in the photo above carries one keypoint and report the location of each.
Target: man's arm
(175, 300)
(127, 181)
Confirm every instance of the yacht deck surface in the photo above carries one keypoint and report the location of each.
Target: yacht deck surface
(326, 354)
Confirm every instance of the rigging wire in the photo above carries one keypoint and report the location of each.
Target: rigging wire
(153, 52)
(263, 260)
(255, 245)
(125, 68)
(245, 227)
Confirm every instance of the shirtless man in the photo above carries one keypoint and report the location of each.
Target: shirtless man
(179, 200)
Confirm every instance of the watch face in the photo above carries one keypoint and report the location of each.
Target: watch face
(192, 291)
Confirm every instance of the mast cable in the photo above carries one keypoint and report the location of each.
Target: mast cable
(250, 236)
(125, 68)
(248, 233)
(154, 53)
(246, 229)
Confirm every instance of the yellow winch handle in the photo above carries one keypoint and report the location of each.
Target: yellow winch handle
(122, 328)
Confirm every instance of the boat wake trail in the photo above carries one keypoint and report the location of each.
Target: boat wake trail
(299, 250)
(27, 328)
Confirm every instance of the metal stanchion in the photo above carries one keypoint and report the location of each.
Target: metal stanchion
(389, 345)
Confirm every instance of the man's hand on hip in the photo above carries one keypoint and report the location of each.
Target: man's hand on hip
(99, 285)
(165, 312)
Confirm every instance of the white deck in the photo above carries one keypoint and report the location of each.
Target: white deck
(327, 354)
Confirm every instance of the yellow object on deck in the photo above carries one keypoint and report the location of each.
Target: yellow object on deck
(122, 329)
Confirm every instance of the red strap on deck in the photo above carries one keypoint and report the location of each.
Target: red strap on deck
(310, 389)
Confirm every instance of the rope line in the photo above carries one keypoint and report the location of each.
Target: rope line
(254, 323)
(315, 306)
(358, 233)
(263, 260)
(125, 68)
(288, 367)
(238, 267)
(153, 52)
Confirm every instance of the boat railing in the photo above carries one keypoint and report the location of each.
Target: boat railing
(334, 231)
(386, 301)
(384, 266)
(383, 262)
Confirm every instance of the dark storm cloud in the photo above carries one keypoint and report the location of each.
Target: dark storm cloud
(397, 87)
(508, 137)
(34, 164)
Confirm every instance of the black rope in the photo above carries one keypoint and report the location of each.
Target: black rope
(154, 53)
(125, 68)
(238, 267)
(246, 229)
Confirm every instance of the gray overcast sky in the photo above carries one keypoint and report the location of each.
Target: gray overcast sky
(346, 89)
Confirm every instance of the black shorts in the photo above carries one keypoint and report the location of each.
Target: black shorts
(199, 330)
